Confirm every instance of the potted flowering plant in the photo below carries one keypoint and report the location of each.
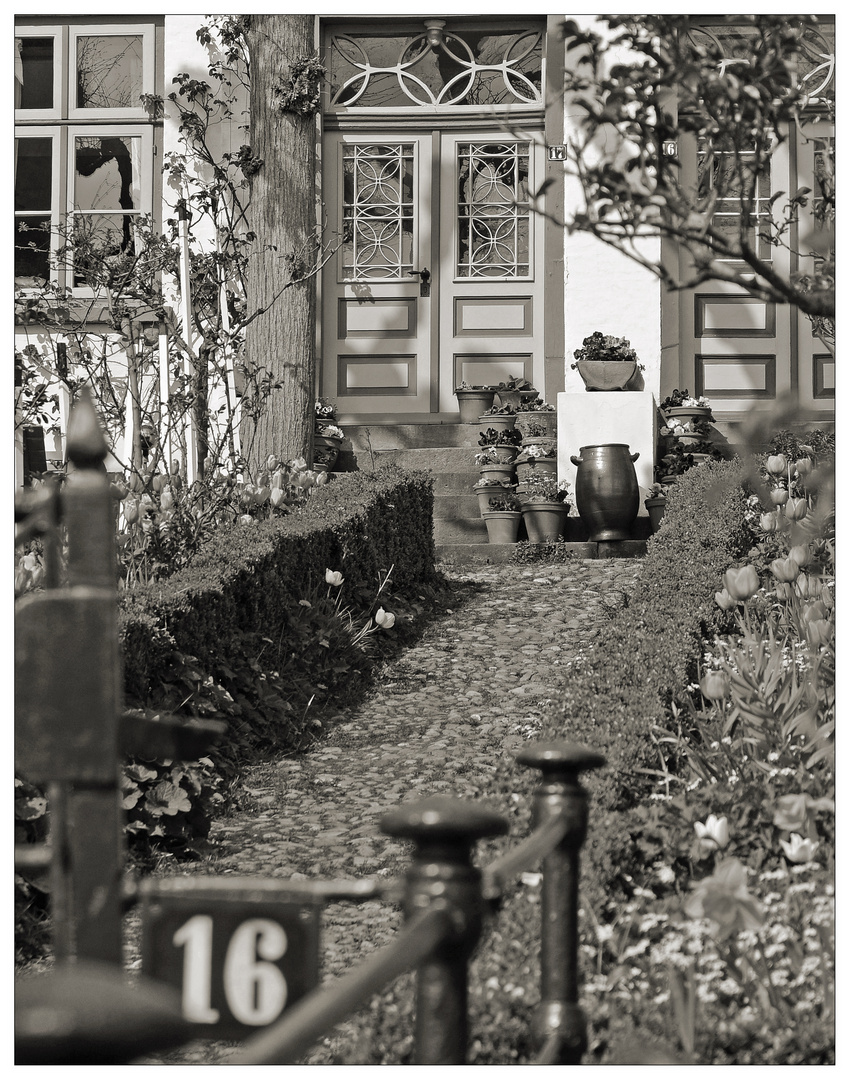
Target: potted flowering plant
(473, 401)
(537, 458)
(502, 519)
(537, 420)
(655, 503)
(544, 507)
(500, 417)
(327, 436)
(674, 464)
(503, 444)
(492, 467)
(683, 405)
(606, 362)
(515, 391)
(489, 487)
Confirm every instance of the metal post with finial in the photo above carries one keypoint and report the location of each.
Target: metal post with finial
(559, 1023)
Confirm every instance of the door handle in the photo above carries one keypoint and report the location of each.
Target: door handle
(424, 276)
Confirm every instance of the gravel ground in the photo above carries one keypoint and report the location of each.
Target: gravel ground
(474, 687)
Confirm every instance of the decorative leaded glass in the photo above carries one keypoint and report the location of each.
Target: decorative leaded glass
(493, 213)
(466, 67)
(377, 211)
(725, 171)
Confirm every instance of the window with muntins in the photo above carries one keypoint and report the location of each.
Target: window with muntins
(83, 143)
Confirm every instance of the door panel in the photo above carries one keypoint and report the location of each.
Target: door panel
(392, 347)
(376, 325)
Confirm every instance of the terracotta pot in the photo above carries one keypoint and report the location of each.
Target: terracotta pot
(537, 467)
(325, 452)
(548, 442)
(502, 526)
(472, 403)
(607, 493)
(516, 397)
(505, 452)
(550, 419)
(498, 421)
(487, 492)
(606, 374)
(496, 471)
(655, 508)
(689, 412)
(544, 521)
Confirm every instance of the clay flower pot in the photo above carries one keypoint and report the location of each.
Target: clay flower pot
(502, 526)
(606, 374)
(473, 402)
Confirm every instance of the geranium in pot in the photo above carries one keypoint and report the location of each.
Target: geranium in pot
(605, 362)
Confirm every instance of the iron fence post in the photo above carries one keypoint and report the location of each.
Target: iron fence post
(441, 873)
(560, 795)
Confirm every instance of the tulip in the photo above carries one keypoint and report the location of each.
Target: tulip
(131, 511)
(777, 464)
(800, 554)
(784, 591)
(819, 631)
(246, 519)
(714, 685)
(271, 463)
(384, 619)
(798, 850)
(159, 482)
(785, 569)
(779, 496)
(276, 497)
(741, 583)
(714, 833)
(724, 600)
(791, 813)
(795, 509)
(815, 611)
(334, 577)
(166, 499)
(803, 466)
(768, 523)
(807, 587)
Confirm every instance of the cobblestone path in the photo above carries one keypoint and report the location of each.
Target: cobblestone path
(474, 687)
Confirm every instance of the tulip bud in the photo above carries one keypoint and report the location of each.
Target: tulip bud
(131, 511)
(777, 464)
(784, 569)
(714, 685)
(795, 509)
(271, 463)
(166, 499)
(741, 583)
(260, 495)
(784, 590)
(779, 496)
(384, 619)
(724, 600)
(334, 577)
(814, 611)
(768, 523)
(276, 497)
(807, 587)
(159, 482)
(800, 554)
(803, 466)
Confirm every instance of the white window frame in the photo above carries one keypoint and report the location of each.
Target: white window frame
(59, 46)
(54, 133)
(146, 32)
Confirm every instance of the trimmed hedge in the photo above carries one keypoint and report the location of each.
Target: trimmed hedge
(628, 682)
(246, 577)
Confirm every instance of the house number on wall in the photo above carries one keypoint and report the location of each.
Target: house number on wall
(558, 153)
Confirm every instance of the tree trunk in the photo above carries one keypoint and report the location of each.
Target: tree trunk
(278, 405)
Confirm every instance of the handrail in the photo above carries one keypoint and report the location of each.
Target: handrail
(536, 846)
(317, 893)
(292, 1036)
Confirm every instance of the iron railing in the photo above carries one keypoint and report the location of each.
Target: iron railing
(70, 733)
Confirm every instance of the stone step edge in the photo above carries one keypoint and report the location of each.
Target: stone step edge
(610, 549)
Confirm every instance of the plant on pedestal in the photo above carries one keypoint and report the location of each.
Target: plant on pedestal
(606, 362)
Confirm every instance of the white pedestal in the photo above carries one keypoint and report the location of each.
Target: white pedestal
(616, 416)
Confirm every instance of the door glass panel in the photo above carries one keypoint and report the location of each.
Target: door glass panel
(377, 211)
(493, 212)
(466, 67)
(109, 71)
(34, 73)
(725, 178)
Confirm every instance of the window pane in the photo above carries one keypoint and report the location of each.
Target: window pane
(377, 211)
(32, 244)
(109, 72)
(33, 174)
(97, 239)
(34, 73)
(492, 210)
(107, 173)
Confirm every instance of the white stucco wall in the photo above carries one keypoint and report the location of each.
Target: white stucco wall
(603, 289)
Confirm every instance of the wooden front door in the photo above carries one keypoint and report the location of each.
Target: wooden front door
(436, 277)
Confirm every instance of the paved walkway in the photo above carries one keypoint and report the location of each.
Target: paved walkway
(474, 687)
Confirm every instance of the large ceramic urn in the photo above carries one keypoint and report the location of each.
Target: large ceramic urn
(606, 490)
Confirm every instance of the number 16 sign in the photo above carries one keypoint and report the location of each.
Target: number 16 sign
(238, 964)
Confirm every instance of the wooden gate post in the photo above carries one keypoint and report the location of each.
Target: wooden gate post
(441, 873)
(559, 1016)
